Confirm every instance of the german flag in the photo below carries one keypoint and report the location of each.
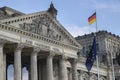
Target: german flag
(92, 18)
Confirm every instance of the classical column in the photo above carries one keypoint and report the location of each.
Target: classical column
(17, 62)
(74, 69)
(78, 72)
(109, 74)
(39, 71)
(1, 59)
(63, 68)
(33, 64)
(4, 68)
(81, 74)
(70, 74)
(49, 66)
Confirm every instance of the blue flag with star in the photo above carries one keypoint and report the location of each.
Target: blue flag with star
(91, 55)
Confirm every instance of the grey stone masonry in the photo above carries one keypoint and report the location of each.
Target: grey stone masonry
(1, 59)
(49, 66)
(63, 68)
(74, 69)
(33, 63)
(6, 12)
(4, 64)
(17, 62)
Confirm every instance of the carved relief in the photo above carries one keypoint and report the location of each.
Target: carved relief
(42, 26)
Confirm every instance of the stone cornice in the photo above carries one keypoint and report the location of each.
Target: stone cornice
(44, 13)
(34, 36)
(112, 38)
(22, 18)
(13, 10)
(99, 33)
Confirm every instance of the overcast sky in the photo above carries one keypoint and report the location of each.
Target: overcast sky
(73, 14)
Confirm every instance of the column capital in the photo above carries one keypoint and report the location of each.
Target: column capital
(81, 72)
(36, 50)
(51, 54)
(63, 57)
(91, 74)
(73, 60)
(2, 42)
(19, 46)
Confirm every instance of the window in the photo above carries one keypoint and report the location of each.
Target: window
(83, 50)
(90, 47)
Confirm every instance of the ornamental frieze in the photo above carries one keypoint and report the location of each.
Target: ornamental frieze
(41, 26)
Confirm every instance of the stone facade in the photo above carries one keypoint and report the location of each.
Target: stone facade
(107, 49)
(6, 12)
(40, 43)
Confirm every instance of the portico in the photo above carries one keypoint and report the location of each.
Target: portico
(33, 58)
(42, 45)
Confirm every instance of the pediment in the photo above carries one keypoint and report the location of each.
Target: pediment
(43, 24)
(6, 12)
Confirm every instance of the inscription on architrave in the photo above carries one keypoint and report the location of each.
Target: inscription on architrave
(41, 45)
(41, 26)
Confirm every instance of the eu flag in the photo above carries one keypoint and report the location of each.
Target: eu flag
(91, 55)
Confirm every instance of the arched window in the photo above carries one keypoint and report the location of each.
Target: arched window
(10, 72)
(24, 74)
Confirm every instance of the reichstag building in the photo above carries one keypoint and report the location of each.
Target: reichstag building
(40, 43)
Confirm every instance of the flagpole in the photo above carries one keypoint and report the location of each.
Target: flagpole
(97, 54)
(91, 20)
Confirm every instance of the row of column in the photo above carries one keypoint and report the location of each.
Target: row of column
(33, 65)
(2, 63)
